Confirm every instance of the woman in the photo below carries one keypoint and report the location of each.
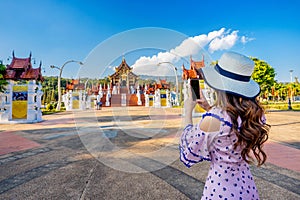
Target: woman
(231, 133)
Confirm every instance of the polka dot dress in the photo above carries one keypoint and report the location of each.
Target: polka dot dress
(229, 175)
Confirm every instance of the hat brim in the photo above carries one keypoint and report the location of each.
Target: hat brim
(217, 81)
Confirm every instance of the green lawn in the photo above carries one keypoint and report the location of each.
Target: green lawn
(49, 112)
(280, 105)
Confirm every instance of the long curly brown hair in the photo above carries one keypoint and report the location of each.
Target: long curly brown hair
(253, 132)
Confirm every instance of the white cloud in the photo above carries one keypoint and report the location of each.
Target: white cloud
(223, 42)
(192, 45)
(245, 39)
(216, 40)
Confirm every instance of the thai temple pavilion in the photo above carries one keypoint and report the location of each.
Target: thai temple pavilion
(21, 102)
(123, 78)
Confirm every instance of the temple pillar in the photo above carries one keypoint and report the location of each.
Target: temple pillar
(70, 100)
(146, 100)
(138, 94)
(31, 104)
(157, 101)
(39, 94)
(81, 102)
(169, 105)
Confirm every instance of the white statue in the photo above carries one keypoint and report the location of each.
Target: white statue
(114, 91)
(132, 90)
(100, 88)
(108, 95)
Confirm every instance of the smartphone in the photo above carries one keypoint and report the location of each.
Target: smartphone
(195, 89)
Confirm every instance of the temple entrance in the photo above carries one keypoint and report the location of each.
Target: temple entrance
(123, 84)
(21, 101)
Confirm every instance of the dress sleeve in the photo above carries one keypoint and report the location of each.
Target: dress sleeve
(263, 119)
(194, 145)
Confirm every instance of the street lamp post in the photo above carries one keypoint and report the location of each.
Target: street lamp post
(175, 71)
(290, 95)
(291, 74)
(59, 80)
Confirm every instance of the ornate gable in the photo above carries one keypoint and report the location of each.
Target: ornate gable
(123, 66)
(122, 69)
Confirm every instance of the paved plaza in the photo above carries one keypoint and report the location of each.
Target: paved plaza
(128, 153)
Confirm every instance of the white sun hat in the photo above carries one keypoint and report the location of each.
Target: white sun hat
(232, 74)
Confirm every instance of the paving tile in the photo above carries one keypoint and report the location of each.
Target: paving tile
(10, 142)
(283, 156)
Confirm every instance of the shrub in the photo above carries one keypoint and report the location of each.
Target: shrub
(49, 107)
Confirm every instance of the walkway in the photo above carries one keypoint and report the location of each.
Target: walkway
(49, 161)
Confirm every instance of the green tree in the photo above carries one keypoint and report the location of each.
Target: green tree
(297, 89)
(3, 82)
(49, 87)
(264, 75)
(281, 90)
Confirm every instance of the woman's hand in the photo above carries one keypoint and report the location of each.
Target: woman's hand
(189, 105)
(203, 102)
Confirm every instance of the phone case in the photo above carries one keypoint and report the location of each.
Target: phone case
(195, 89)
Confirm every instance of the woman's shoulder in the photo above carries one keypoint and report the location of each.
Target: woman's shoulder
(218, 114)
(215, 112)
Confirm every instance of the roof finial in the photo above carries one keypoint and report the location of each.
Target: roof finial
(13, 53)
(183, 67)
(30, 54)
(123, 57)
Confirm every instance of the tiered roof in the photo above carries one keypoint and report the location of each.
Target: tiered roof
(163, 84)
(194, 71)
(123, 67)
(75, 85)
(21, 69)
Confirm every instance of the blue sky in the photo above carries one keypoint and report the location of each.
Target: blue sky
(57, 31)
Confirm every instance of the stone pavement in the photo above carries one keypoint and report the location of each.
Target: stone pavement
(128, 153)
